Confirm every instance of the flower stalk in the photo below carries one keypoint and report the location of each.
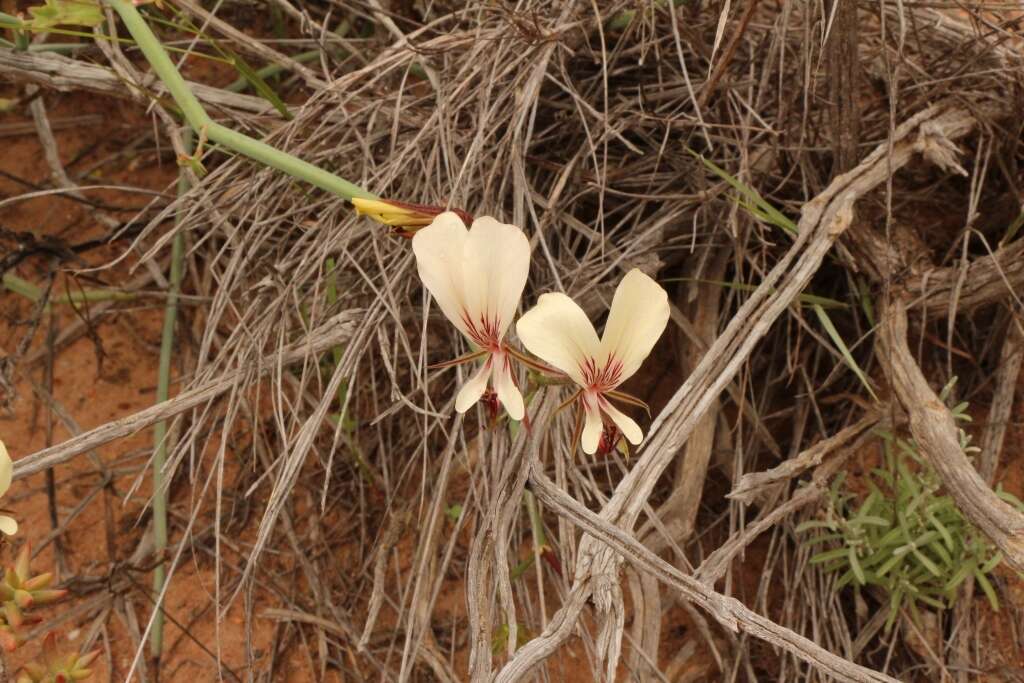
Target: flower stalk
(199, 120)
(156, 638)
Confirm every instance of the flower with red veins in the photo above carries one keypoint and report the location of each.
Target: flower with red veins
(558, 332)
(477, 276)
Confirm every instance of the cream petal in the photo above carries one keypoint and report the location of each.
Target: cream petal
(629, 428)
(558, 332)
(505, 387)
(8, 525)
(593, 425)
(440, 254)
(638, 317)
(473, 389)
(497, 261)
(6, 469)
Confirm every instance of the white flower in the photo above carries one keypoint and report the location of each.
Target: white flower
(8, 525)
(477, 277)
(557, 331)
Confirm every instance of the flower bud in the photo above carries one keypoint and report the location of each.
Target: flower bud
(403, 218)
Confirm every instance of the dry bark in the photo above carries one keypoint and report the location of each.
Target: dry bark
(65, 74)
(938, 439)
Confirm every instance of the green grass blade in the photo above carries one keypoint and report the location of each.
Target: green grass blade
(844, 351)
(753, 201)
(257, 82)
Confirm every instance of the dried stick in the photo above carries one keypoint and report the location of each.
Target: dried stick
(678, 514)
(57, 72)
(838, 449)
(1002, 400)
(984, 281)
(754, 483)
(843, 70)
(254, 47)
(729, 612)
(336, 331)
(938, 437)
(824, 219)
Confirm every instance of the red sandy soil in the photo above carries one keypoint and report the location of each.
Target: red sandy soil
(96, 380)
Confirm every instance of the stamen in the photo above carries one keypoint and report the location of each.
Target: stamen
(457, 361)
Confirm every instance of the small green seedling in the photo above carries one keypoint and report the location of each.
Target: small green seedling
(905, 536)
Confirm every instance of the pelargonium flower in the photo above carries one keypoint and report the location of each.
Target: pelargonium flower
(477, 277)
(8, 525)
(557, 331)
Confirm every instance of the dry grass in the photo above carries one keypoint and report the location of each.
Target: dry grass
(577, 121)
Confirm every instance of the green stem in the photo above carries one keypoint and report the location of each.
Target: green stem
(536, 523)
(63, 48)
(200, 121)
(160, 428)
(33, 293)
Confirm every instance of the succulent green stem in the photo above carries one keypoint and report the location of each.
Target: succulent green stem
(200, 121)
(156, 636)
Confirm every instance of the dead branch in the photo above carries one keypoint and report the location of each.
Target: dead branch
(823, 220)
(751, 485)
(938, 437)
(985, 280)
(1010, 360)
(337, 331)
(729, 612)
(716, 564)
(57, 72)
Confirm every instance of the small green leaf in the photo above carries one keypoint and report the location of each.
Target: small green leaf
(520, 568)
(750, 199)
(65, 13)
(959, 577)
(947, 537)
(928, 564)
(257, 82)
(814, 524)
(829, 555)
(855, 567)
(844, 351)
(894, 608)
(454, 512)
(992, 563)
(987, 588)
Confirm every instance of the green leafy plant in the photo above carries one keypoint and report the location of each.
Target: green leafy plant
(905, 537)
(57, 666)
(20, 592)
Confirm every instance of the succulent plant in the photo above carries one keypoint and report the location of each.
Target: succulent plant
(56, 666)
(24, 590)
(20, 591)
